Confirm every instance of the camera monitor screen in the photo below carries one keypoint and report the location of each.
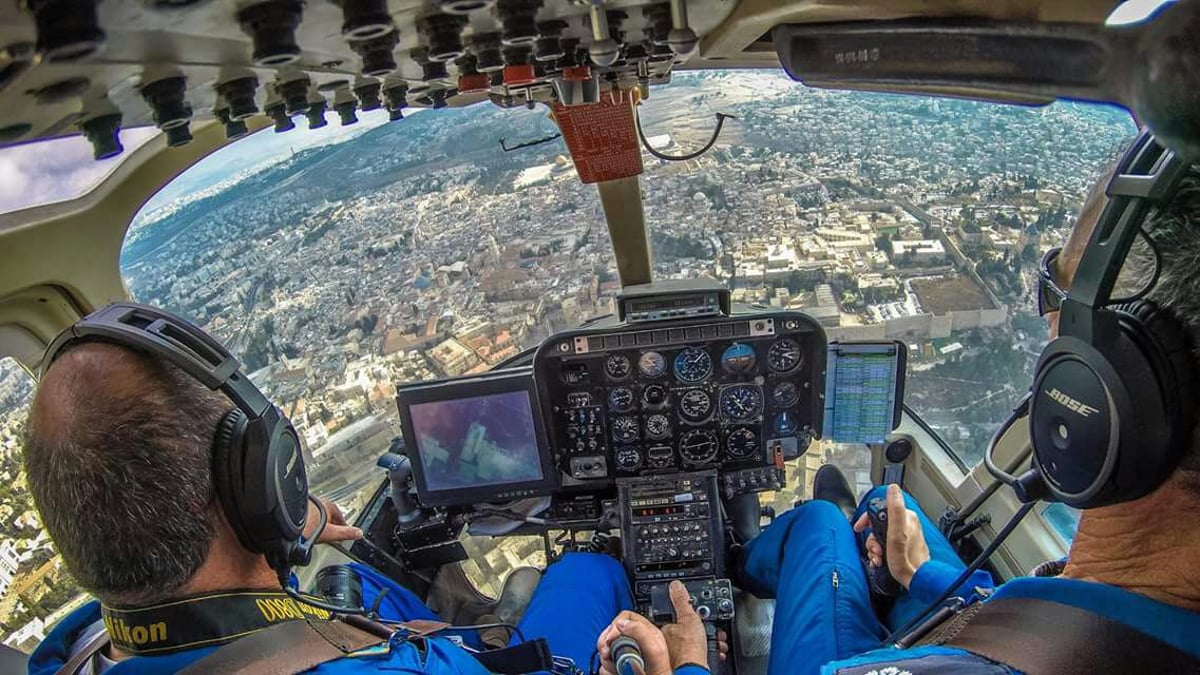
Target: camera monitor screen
(864, 389)
(476, 439)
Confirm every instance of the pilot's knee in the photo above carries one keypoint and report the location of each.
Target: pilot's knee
(594, 566)
(815, 513)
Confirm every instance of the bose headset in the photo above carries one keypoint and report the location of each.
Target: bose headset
(1114, 396)
(257, 467)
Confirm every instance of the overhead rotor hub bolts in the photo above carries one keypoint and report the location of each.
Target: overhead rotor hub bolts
(272, 26)
(239, 94)
(488, 57)
(178, 135)
(464, 6)
(165, 98)
(444, 33)
(365, 19)
(549, 44)
(377, 54)
(103, 133)
(294, 95)
(283, 121)
(368, 96)
(346, 111)
(66, 30)
(316, 114)
(434, 70)
(519, 18)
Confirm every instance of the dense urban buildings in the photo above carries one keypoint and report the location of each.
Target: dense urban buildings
(420, 250)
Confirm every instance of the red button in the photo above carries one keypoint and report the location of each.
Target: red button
(519, 75)
(473, 82)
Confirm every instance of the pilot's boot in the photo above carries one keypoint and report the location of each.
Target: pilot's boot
(516, 594)
(831, 486)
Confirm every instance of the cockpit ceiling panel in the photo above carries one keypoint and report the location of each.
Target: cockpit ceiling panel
(100, 59)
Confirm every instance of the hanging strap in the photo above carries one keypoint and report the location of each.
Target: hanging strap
(1039, 637)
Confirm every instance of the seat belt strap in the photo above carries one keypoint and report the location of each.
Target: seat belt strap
(98, 642)
(531, 656)
(284, 649)
(1040, 637)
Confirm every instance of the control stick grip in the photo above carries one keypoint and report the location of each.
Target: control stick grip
(627, 656)
(882, 581)
(715, 667)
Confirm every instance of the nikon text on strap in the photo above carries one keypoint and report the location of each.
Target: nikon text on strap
(201, 621)
(1039, 637)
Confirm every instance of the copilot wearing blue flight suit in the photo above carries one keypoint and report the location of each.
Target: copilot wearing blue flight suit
(578, 596)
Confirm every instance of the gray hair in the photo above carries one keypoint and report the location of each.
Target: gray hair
(1174, 228)
(118, 453)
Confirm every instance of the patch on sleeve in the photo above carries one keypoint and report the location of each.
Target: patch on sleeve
(941, 664)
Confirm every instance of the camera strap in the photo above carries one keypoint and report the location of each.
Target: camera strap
(201, 620)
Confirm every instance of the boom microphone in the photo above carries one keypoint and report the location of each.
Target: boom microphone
(627, 656)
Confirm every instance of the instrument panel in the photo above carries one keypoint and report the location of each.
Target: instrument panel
(725, 392)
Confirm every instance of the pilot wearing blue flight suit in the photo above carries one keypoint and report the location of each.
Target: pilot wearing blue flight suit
(1131, 562)
(118, 454)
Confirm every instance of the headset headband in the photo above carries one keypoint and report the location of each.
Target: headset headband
(168, 336)
(1147, 174)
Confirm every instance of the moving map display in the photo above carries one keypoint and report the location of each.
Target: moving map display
(863, 388)
(477, 441)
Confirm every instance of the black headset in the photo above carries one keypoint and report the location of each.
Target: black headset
(258, 470)
(1114, 397)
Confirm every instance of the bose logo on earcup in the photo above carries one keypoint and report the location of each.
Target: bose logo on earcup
(1071, 404)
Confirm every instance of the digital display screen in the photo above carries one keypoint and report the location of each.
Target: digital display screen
(477, 442)
(862, 385)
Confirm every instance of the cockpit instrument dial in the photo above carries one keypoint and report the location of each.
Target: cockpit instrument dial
(698, 446)
(741, 444)
(654, 395)
(693, 365)
(652, 364)
(658, 426)
(785, 394)
(741, 403)
(739, 358)
(695, 405)
(620, 399)
(617, 367)
(784, 356)
(628, 458)
(625, 429)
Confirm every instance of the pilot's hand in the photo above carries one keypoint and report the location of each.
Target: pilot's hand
(665, 650)
(651, 642)
(336, 530)
(906, 548)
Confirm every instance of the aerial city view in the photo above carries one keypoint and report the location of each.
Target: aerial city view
(420, 249)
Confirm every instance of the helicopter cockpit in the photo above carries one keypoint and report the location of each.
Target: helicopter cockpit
(662, 411)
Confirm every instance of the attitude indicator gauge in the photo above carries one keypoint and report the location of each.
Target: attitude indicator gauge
(739, 358)
(693, 365)
(785, 394)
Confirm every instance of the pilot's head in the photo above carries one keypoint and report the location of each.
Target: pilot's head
(1174, 229)
(118, 454)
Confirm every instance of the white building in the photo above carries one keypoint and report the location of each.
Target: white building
(924, 251)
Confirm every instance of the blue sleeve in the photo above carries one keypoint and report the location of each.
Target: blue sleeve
(934, 577)
(691, 669)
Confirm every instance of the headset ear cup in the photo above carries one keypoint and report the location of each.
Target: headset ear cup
(1170, 340)
(226, 470)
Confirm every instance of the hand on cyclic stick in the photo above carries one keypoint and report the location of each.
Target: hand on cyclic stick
(663, 650)
(906, 548)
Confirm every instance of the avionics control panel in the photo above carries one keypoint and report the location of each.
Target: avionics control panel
(729, 393)
(671, 529)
